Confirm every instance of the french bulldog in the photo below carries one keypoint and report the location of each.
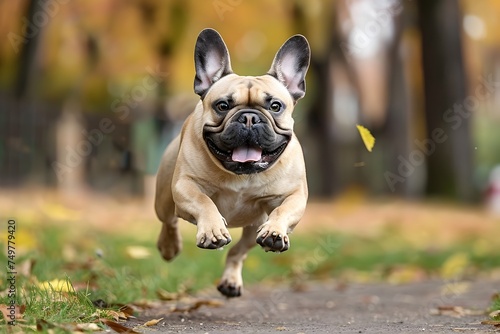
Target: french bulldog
(237, 161)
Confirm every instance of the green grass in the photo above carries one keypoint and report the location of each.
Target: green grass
(98, 266)
(55, 306)
(495, 306)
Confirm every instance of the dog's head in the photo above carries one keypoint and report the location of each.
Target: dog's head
(247, 121)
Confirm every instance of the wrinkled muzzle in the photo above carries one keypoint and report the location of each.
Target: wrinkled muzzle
(247, 143)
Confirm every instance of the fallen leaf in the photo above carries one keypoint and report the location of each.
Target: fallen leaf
(455, 311)
(119, 328)
(116, 315)
(406, 274)
(152, 322)
(43, 325)
(367, 137)
(495, 323)
(167, 295)
(138, 252)
(495, 314)
(56, 285)
(60, 212)
(25, 240)
(128, 310)
(12, 312)
(51, 327)
(92, 327)
(455, 266)
(196, 305)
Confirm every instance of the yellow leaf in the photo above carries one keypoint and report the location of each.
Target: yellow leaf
(24, 238)
(152, 322)
(406, 274)
(56, 285)
(455, 266)
(59, 212)
(367, 137)
(138, 252)
(167, 295)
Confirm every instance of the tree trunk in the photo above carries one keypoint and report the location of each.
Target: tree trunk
(320, 114)
(449, 151)
(19, 140)
(398, 113)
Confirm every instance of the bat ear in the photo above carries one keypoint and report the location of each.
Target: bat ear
(290, 65)
(211, 60)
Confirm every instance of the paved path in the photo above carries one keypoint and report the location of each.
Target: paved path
(330, 308)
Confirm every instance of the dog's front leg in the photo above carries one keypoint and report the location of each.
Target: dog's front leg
(196, 207)
(273, 235)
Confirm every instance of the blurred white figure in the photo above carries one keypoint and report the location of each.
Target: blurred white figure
(493, 192)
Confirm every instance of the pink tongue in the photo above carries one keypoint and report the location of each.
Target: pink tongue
(245, 154)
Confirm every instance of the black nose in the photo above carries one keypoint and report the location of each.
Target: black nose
(249, 119)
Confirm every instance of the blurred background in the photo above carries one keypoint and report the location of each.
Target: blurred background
(92, 91)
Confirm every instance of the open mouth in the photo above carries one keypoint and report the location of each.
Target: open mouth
(246, 154)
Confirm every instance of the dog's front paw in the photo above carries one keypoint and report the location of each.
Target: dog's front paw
(271, 239)
(230, 289)
(212, 238)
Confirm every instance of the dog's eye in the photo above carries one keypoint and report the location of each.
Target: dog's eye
(222, 106)
(276, 106)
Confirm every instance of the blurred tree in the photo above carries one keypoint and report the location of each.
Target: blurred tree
(450, 160)
(17, 159)
(395, 131)
(320, 120)
(153, 132)
(28, 52)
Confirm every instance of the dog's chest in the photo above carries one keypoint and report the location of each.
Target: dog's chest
(245, 206)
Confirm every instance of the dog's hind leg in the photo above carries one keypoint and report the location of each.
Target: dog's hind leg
(169, 242)
(231, 283)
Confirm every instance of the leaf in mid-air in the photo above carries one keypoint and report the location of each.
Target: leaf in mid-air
(367, 137)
